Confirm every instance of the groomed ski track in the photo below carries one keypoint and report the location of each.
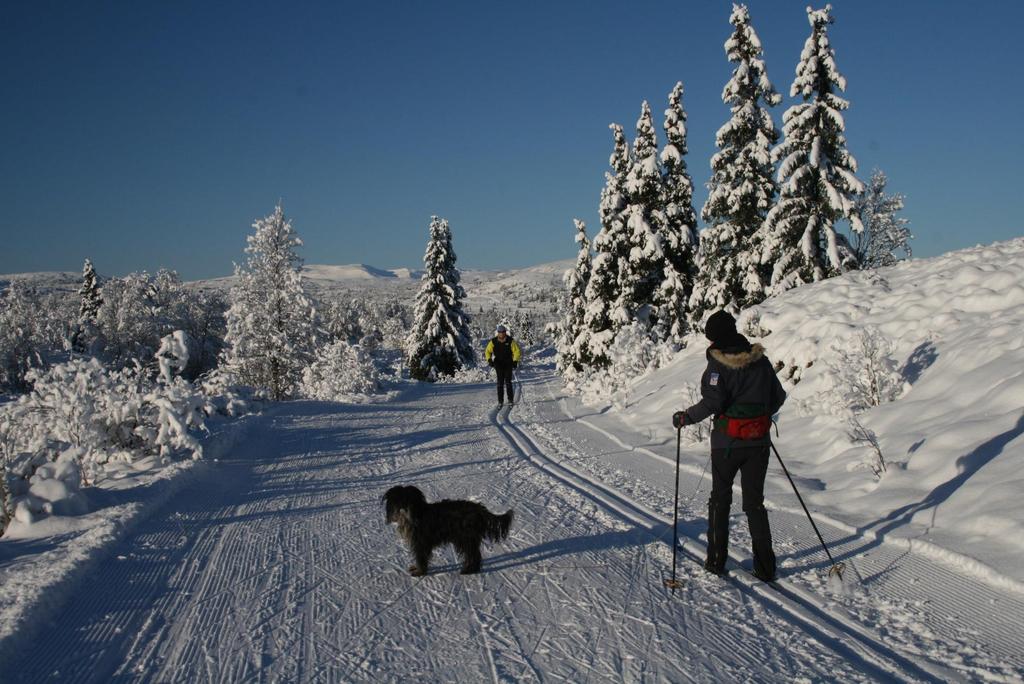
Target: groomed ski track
(277, 566)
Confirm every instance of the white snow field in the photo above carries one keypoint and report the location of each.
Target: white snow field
(273, 562)
(277, 566)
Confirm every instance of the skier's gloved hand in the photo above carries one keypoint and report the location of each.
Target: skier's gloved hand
(678, 419)
(490, 362)
(515, 364)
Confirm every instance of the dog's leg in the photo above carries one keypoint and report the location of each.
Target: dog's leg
(470, 558)
(421, 555)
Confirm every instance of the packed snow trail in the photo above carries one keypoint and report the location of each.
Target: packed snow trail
(278, 566)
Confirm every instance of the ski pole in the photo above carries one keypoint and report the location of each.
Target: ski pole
(674, 583)
(837, 568)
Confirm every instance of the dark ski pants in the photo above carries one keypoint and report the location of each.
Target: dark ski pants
(752, 465)
(504, 381)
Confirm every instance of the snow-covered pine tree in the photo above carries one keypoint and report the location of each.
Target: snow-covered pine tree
(742, 186)
(817, 173)
(610, 244)
(271, 324)
(440, 342)
(613, 194)
(678, 235)
(640, 257)
(572, 357)
(90, 294)
(884, 234)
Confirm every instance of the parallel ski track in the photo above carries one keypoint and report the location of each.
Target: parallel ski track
(846, 637)
(914, 619)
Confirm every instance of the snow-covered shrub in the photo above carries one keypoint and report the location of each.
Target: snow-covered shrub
(863, 372)
(36, 329)
(139, 310)
(466, 376)
(179, 407)
(226, 398)
(884, 233)
(859, 434)
(53, 488)
(80, 416)
(633, 353)
(339, 372)
(699, 431)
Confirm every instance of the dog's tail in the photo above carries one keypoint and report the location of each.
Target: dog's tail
(497, 526)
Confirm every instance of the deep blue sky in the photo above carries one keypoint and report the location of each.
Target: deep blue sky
(145, 134)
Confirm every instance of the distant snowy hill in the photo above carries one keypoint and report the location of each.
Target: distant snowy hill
(63, 281)
(480, 285)
(323, 272)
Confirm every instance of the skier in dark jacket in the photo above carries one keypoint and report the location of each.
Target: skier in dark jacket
(503, 354)
(740, 389)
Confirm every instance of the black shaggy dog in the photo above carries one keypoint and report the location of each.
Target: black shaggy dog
(426, 526)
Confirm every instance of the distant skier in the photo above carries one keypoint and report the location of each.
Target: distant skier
(740, 389)
(503, 354)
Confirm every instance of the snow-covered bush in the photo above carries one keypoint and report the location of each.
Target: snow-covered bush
(53, 488)
(137, 311)
(36, 329)
(859, 434)
(179, 407)
(884, 233)
(340, 371)
(80, 416)
(633, 353)
(226, 398)
(863, 371)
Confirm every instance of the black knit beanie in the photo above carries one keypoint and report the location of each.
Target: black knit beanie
(721, 329)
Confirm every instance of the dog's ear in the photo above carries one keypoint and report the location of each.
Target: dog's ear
(416, 495)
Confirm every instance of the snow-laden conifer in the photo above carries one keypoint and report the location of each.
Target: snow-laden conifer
(884, 233)
(598, 327)
(816, 172)
(572, 348)
(611, 247)
(271, 324)
(90, 294)
(613, 195)
(440, 342)
(640, 256)
(742, 187)
(678, 234)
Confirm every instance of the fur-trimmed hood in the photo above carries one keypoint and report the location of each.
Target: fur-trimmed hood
(736, 360)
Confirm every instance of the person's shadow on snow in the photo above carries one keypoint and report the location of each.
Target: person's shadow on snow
(580, 546)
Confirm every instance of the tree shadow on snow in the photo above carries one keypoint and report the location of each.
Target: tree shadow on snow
(967, 465)
(919, 361)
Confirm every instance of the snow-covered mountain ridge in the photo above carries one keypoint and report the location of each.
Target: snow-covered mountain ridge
(952, 439)
(346, 275)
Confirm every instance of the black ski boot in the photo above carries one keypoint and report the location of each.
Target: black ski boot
(718, 539)
(761, 541)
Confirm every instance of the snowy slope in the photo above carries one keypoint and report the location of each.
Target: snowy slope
(953, 438)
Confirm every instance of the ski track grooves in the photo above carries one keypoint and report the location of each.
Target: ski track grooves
(949, 628)
(280, 568)
(867, 648)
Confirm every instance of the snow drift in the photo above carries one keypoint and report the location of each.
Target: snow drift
(950, 430)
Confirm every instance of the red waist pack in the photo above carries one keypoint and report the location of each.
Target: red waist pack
(746, 428)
